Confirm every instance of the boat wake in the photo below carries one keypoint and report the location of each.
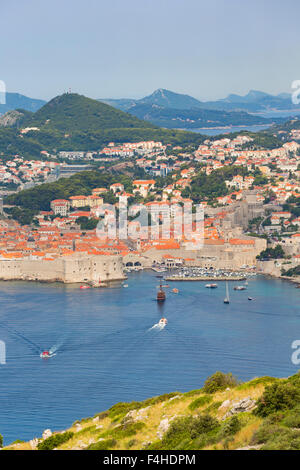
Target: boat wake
(157, 326)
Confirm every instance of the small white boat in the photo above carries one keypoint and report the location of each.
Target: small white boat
(46, 354)
(211, 286)
(239, 288)
(226, 300)
(125, 285)
(163, 322)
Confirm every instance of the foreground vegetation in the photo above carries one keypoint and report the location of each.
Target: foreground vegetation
(212, 417)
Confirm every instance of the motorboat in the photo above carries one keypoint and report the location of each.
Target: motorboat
(175, 290)
(226, 300)
(239, 288)
(45, 354)
(211, 286)
(163, 322)
(85, 287)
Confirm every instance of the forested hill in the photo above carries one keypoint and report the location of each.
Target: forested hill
(74, 122)
(72, 112)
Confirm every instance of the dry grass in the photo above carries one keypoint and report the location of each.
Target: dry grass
(167, 409)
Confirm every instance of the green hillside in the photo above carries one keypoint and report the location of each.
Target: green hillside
(72, 112)
(263, 414)
(74, 122)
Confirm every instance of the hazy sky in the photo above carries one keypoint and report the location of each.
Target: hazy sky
(129, 48)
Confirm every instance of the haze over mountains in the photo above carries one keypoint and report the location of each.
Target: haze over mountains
(168, 109)
(253, 101)
(174, 110)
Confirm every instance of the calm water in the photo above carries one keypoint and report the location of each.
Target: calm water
(227, 130)
(106, 353)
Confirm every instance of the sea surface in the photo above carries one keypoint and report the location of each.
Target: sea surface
(228, 130)
(106, 351)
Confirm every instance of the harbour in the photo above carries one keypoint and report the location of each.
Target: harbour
(106, 350)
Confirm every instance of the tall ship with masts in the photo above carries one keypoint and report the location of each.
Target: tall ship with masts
(161, 295)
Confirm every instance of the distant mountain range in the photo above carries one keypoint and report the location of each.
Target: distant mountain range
(174, 110)
(16, 101)
(253, 102)
(167, 109)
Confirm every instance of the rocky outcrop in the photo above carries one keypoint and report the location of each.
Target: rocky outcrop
(47, 433)
(164, 426)
(136, 415)
(246, 404)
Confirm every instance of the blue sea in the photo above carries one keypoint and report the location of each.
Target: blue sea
(106, 351)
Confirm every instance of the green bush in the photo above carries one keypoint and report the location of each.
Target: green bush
(200, 402)
(258, 381)
(126, 430)
(103, 445)
(131, 443)
(188, 432)
(213, 407)
(55, 440)
(278, 396)
(219, 381)
(1, 440)
(230, 427)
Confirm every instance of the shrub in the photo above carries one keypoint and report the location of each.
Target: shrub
(213, 407)
(126, 430)
(200, 402)
(230, 427)
(191, 393)
(258, 381)
(102, 415)
(219, 381)
(278, 396)
(203, 424)
(292, 420)
(286, 439)
(103, 445)
(266, 432)
(131, 443)
(1, 440)
(55, 440)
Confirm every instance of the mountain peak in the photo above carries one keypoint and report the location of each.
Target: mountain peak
(74, 112)
(170, 99)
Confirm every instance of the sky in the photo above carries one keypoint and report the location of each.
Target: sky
(129, 48)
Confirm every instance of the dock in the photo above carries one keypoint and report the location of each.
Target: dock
(205, 278)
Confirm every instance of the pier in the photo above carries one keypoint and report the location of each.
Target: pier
(205, 278)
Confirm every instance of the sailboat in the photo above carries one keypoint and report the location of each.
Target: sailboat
(161, 296)
(226, 300)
